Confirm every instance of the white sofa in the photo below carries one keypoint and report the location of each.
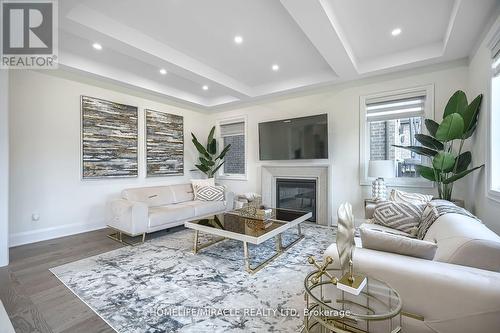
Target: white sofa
(457, 291)
(148, 209)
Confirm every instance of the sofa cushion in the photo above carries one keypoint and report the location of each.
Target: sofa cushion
(170, 214)
(379, 240)
(203, 208)
(400, 216)
(153, 196)
(378, 227)
(182, 192)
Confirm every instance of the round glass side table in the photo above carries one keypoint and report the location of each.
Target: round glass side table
(377, 309)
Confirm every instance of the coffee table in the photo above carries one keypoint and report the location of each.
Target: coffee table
(248, 229)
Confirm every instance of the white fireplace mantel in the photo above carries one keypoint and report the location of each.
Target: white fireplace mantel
(319, 172)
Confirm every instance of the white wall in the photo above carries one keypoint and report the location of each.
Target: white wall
(479, 82)
(45, 156)
(4, 167)
(342, 105)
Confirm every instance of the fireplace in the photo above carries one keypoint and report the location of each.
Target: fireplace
(297, 194)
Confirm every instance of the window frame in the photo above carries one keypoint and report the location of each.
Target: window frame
(364, 136)
(232, 120)
(492, 191)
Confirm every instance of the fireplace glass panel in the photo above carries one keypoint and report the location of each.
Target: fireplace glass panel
(297, 194)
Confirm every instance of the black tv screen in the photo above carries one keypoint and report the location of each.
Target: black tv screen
(294, 139)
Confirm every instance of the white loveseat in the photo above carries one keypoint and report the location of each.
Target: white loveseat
(149, 209)
(457, 291)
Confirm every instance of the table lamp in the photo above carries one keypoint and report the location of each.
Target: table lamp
(380, 169)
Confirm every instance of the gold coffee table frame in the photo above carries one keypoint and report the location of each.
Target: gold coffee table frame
(248, 239)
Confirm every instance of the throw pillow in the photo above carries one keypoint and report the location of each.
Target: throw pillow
(411, 198)
(400, 216)
(202, 182)
(389, 242)
(210, 193)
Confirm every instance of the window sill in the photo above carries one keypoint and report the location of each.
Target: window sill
(403, 183)
(494, 195)
(231, 177)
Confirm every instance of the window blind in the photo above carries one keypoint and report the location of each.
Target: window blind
(232, 129)
(396, 107)
(495, 55)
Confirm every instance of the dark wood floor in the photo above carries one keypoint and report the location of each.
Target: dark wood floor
(36, 300)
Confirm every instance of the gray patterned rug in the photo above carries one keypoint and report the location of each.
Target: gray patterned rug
(161, 286)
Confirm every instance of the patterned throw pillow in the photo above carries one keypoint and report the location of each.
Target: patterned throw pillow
(210, 193)
(196, 183)
(411, 198)
(400, 216)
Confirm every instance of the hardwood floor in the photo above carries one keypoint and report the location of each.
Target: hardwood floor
(36, 300)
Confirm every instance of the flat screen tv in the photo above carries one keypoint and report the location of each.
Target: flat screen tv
(294, 139)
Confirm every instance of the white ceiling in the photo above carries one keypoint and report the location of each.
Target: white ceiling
(314, 42)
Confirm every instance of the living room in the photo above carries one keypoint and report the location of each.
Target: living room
(265, 131)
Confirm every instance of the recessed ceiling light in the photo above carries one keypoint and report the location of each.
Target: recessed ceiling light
(275, 68)
(204, 87)
(97, 46)
(396, 32)
(163, 71)
(238, 39)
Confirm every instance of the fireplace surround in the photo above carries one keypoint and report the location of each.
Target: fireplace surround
(320, 173)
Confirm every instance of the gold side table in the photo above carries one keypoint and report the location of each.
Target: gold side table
(328, 309)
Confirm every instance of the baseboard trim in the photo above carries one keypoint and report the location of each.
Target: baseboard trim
(38, 235)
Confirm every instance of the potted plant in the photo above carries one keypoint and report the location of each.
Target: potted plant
(445, 143)
(209, 161)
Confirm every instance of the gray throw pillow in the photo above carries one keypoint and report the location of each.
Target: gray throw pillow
(411, 198)
(401, 216)
(210, 193)
(389, 242)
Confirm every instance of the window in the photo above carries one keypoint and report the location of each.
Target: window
(233, 132)
(494, 130)
(390, 119)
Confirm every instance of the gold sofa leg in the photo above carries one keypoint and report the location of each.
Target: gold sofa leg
(118, 237)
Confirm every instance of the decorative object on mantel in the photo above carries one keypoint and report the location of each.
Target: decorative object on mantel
(210, 162)
(247, 199)
(349, 282)
(164, 144)
(380, 169)
(448, 165)
(109, 139)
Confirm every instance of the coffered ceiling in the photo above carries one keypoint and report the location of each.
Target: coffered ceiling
(219, 53)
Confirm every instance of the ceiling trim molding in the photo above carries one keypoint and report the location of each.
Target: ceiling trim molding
(336, 86)
(312, 19)
(102, 24)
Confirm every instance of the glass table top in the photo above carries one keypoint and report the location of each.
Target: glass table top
(246, 222)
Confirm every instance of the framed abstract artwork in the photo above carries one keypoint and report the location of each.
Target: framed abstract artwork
(164, 144)
(109, 139)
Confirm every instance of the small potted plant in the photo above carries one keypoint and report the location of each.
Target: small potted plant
(209, 161)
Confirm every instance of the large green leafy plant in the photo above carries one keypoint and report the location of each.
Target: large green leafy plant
(445, 143)
(210, 162)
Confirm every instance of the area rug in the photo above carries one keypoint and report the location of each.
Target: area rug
(161, 286)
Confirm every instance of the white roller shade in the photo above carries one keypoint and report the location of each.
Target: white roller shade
(232, 129)
(495, 54)
(397, 107)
